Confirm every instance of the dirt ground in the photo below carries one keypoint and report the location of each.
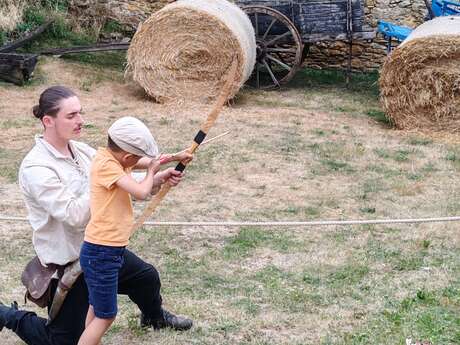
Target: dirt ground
(291, 155)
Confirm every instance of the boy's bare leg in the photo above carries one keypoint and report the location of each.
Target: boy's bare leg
(89, 316)
(94, 331)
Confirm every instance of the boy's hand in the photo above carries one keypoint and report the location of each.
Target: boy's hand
(177, 157)
(170, 176)
(165, 158)
(175, 177)
(154, 166)
(185, 157)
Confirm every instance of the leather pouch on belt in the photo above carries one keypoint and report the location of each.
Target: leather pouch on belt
(36, 278)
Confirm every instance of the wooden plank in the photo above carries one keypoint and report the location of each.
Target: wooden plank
(340, 16)
(332, 26)
(10, 74)
(17, 68)
(327, 17)
(285, 7)
(321, 11)
(268, 3)
(86, 49)
(314, 38)
(29, 37)
(323, 18)
(320, 19)
(324, 10)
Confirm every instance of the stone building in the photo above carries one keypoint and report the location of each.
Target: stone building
(367, 56)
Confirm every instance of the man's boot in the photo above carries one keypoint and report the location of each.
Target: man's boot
(179, 323)
(4, 311)
(2, 316)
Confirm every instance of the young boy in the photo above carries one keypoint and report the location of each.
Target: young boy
(130, 145)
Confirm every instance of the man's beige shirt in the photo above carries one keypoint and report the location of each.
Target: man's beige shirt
(56, 193)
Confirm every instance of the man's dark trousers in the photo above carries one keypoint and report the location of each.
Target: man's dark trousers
(137, 279)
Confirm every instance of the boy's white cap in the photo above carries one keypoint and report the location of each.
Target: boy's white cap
(131, 135)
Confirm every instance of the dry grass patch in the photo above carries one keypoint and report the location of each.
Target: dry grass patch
(298, 154)
(11, 13)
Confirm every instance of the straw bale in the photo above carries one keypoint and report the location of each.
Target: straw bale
(11, 13)
(420, 79)
(184, 51)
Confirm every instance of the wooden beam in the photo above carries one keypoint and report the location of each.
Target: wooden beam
(17, 68)
(430, 10)
(361, 35)
(27, 38)
(84, 49)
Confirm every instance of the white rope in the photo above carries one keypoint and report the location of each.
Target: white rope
(306, 223)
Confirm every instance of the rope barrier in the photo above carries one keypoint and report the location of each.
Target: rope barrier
(306, 223)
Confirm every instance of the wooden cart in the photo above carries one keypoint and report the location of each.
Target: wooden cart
(285, 29)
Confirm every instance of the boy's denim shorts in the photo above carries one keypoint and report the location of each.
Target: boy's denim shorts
(100, 265)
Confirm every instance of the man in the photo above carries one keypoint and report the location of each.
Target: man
(54, 180)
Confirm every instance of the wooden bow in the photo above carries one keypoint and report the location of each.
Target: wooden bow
(205, 127)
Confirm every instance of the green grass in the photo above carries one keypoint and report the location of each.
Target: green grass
(403, 255)
(56, 5)
(347, 275)
(115, 60)
(372, 185)
(362, 92)
(345, 109)
(17, 123)
(308, 78)
(359, 97)
(291, 143)
(453, 156)
(60, 35)
(112, 26)
(286, 291)
(319, 132)
(401, 155)
(419, 141)
(383, 169)
(9, 164)
(288, 212)
(426, 315)
(3, 37)
(300, 211)
(332, 165)
(379, 116)
(249, 239)
(332, 156)
(398, 155)
(367, 209)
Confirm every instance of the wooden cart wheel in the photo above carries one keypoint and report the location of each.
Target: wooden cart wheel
(279, 47)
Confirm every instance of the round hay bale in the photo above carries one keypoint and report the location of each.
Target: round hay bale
(184, 51)
(420, 79)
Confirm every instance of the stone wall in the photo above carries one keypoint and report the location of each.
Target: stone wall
(129, 13)
(367, 56)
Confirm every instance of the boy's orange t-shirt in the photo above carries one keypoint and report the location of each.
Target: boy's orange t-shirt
(111, 208)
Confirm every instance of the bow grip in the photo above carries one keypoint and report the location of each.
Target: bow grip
(180, 167)
(199, 137)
